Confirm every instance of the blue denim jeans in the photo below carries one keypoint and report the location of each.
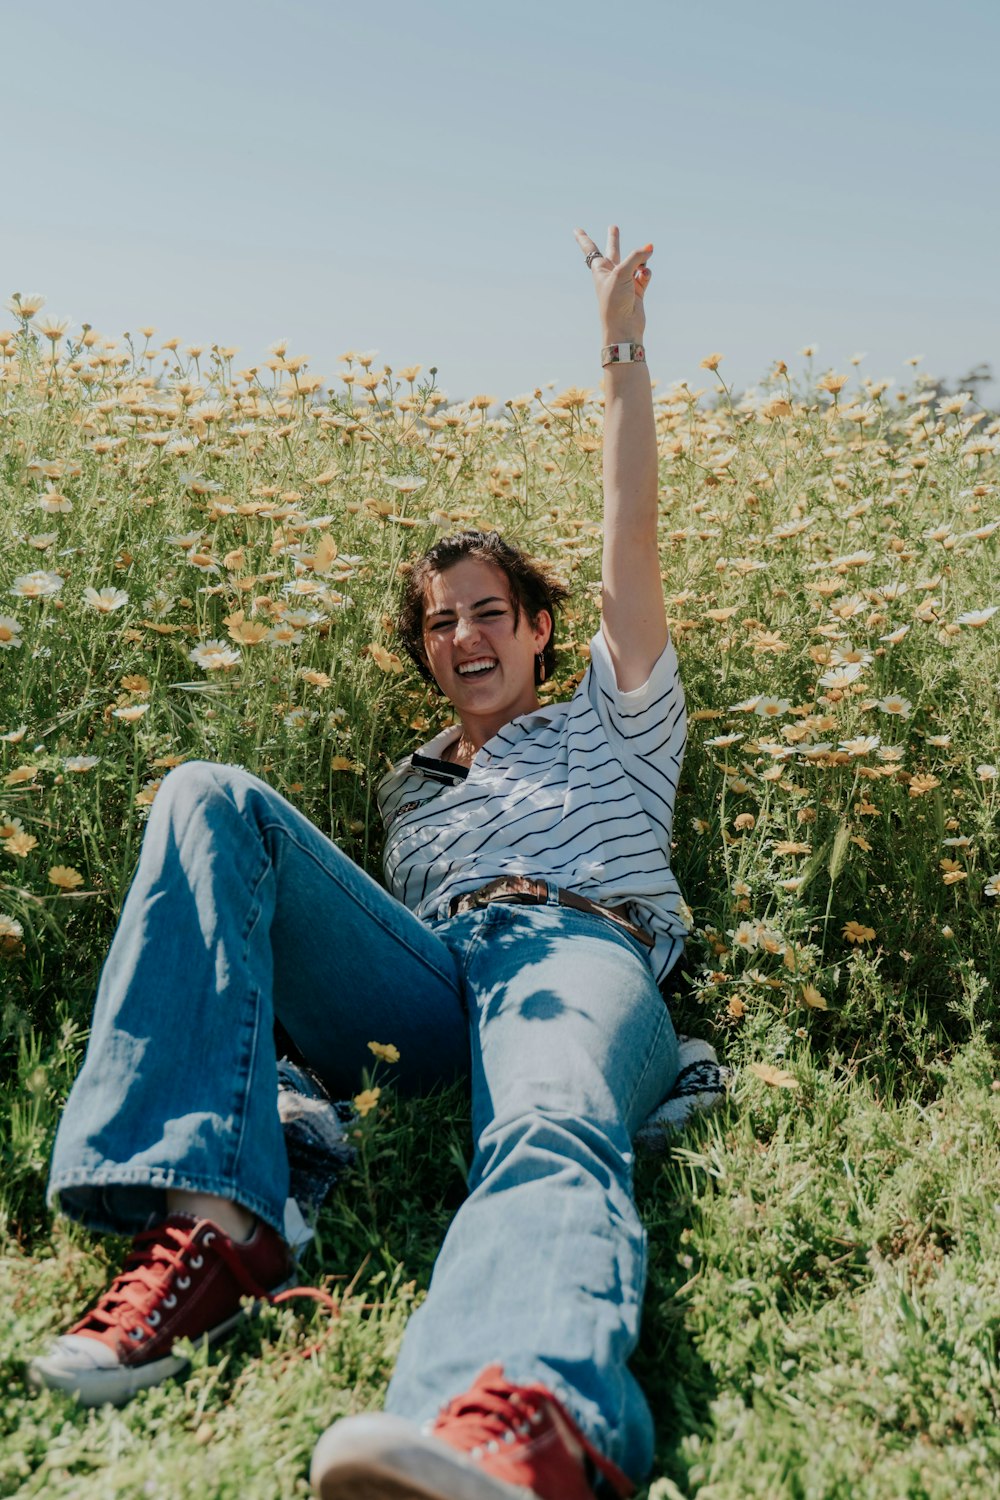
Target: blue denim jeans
(242, 911)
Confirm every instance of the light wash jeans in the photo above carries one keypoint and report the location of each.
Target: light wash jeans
(240, 911)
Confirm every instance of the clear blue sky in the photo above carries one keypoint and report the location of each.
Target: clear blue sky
(406, 178)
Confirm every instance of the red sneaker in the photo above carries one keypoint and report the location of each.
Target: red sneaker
(182, 1279)
(496, 1442)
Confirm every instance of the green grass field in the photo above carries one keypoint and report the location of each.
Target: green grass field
(199, 561)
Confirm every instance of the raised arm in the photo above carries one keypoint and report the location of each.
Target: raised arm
(634, 619)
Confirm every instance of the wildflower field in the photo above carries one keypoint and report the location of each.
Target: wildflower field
(200, 560)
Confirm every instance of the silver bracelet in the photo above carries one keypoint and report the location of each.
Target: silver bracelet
(623, 354)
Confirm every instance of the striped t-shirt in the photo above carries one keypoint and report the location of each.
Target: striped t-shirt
(578, 793)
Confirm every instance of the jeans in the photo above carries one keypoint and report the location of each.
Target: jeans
(240, 912)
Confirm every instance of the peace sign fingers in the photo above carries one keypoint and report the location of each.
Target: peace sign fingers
(619, 286)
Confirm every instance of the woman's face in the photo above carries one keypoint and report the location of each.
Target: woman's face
(476, 656)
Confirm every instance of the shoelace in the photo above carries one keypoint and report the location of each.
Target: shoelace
(315, 1294)
(493, 1414)
(490, 1412)
(147, 1271)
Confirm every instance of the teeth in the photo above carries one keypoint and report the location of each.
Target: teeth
(468, 668)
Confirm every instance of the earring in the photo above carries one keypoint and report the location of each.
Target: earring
(540, 659)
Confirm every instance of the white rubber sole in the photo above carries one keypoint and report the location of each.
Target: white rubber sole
(378, 1456)
(117, 1385)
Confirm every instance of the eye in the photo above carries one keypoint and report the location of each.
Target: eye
(490, 614)
(443, 625)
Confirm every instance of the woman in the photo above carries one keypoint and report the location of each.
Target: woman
(532, 912)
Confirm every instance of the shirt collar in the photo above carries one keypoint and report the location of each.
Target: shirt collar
(543, 714)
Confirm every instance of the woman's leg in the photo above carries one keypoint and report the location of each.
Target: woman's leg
(240, 910)
(544, 1265)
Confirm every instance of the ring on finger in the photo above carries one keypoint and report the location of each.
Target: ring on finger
(595, 255)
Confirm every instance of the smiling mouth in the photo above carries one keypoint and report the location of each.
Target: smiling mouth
(481, 667)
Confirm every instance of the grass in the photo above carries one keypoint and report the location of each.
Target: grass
(824, 1293)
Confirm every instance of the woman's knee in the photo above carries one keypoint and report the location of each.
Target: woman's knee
(201, 797)
(212, 800)
(196, 782)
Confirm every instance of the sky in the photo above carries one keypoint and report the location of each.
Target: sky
(406, 178)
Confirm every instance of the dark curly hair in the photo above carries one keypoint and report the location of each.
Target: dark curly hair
(533, 587)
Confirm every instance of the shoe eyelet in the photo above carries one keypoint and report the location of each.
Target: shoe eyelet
(476, 1453)
(136, 1335)
(153, 1319)
(209, 1237)
(170, 1301)
(493, 1446)
(197, 1261)
(183, 1282)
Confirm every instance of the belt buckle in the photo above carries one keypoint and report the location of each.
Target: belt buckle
(460, 906)
(521, 888)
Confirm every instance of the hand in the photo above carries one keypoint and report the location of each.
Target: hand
(620, 286)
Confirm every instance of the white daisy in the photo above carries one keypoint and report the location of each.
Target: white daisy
(213, 656)
(842, 676)
(845, 656)
(407, 484)
(300, 718)
(864, 744)
(105, 601)
(745, 936)
(10, 633)
(40, 585)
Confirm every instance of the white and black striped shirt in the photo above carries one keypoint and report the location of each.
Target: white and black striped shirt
(578, 793)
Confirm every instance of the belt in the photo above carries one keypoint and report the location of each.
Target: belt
(529, 892)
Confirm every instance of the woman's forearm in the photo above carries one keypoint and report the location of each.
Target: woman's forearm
(634, 621)
(630, 456)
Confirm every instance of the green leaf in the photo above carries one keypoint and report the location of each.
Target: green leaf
(839, 851)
